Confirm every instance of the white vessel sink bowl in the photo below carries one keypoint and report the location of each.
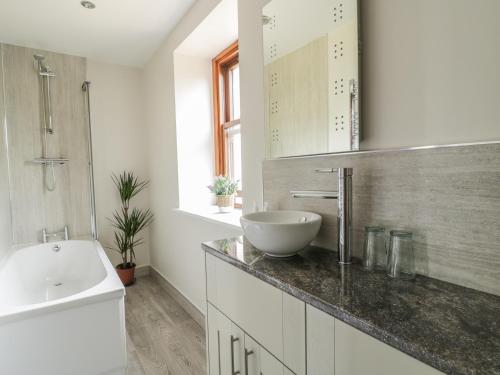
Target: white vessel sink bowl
(280, 233)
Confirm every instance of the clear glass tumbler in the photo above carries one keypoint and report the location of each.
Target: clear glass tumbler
(374, 249)
(401, 259)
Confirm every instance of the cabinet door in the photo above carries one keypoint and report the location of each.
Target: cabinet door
(254, 305)
(226, 343)
(258, 361)
(356, 353)
(269, 365)
(236, 342)
(213, 340)
(251, 357)
(320, 342)
(294, 334)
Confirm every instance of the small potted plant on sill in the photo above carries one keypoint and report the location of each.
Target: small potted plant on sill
(224, 189)
(128, 224)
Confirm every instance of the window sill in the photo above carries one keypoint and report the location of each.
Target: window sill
(212, 214)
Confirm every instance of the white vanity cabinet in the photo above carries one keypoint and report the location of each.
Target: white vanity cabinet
(273, 319)
(254, 305)
(356, 353)
(254, 328)
(231, 351)
(334, 347)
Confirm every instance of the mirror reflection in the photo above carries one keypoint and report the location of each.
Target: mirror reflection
(311, 73)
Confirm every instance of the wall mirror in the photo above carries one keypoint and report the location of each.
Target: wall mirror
(311, 73)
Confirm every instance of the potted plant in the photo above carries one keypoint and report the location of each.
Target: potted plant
(128, 224)
(224, 189)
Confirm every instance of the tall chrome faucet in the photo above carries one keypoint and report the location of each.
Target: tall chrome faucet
(344, 216)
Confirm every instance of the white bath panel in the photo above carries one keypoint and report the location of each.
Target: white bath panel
(77, 327)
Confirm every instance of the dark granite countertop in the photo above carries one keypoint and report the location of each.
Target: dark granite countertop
(449, 327)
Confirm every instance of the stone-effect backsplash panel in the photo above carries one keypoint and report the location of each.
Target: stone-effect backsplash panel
(449, 197)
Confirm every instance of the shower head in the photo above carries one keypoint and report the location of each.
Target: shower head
(38, 57)
(85, 85)
(43, 69)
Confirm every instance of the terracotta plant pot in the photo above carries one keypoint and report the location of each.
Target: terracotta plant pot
(225, 202)
(126, 273)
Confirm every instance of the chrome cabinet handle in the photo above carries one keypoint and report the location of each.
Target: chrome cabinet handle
(218, 348)
(247, 354)
(233, 340)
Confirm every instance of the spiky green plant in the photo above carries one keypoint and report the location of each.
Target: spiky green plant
(223, 185)
(128, 186)
(129, 224)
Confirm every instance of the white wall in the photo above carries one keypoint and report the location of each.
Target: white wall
(217, 31)
(119, 142)
(175, 237)
(195, 146)
(252, 100)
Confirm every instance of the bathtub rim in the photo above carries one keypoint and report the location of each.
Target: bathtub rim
(109, 288)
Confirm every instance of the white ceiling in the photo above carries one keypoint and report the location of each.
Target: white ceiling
(217, 31)
(123, 32)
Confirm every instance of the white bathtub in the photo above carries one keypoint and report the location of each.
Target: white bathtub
(61, 311)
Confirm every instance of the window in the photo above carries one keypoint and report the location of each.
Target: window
(227, 126)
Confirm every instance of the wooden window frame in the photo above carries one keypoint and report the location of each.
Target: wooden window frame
(221, 67)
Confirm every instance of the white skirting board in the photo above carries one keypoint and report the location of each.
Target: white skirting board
(142, 271)
(181, 299)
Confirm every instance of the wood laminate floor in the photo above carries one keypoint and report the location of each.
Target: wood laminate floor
(161, 337)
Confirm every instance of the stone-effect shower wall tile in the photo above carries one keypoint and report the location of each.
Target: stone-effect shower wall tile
(34, 207)
(449, 197)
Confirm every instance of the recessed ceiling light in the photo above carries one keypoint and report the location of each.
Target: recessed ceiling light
(87, 4)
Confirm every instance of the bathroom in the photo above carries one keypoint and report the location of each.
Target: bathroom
(312, 187)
